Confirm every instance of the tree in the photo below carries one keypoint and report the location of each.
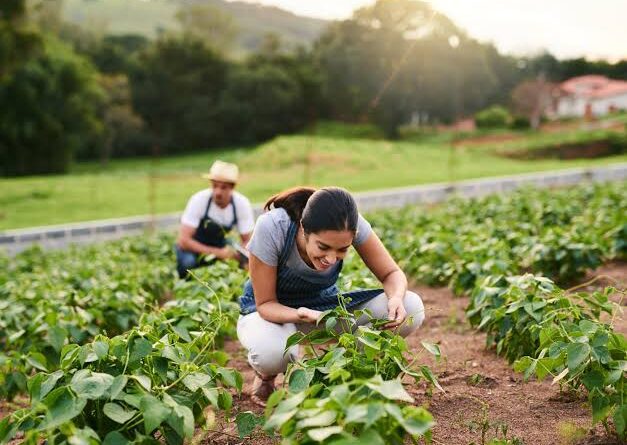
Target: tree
(400, 57)
(532, 98)
(48, 111)
(123, 133)
(17, 41)
(259, 102)
(176, 87)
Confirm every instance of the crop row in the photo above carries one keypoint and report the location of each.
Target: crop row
(67, 316)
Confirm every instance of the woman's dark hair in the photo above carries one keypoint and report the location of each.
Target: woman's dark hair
(329, 208)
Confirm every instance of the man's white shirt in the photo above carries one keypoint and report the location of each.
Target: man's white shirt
(197, 204)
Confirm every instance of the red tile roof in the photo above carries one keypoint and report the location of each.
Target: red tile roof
(593, 86)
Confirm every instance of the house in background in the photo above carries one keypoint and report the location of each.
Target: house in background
(589, 96)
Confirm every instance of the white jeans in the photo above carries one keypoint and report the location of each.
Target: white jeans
(265, 341)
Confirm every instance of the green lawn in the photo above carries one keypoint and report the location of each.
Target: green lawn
(356, 159)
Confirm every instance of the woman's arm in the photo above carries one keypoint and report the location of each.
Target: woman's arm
(380, 262)
(263, 278)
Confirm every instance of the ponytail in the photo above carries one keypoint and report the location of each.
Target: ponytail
(330, 208)
(292, 200)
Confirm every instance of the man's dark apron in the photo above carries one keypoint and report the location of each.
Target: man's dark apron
(209, 233)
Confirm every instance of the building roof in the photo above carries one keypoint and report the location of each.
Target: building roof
(593, 86)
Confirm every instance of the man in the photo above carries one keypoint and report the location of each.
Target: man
(210, 214)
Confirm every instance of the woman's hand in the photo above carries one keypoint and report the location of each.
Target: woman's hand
(396, 312)
(308, 315)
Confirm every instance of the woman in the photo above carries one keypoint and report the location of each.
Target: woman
(296, 254)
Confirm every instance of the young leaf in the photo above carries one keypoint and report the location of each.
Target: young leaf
(117, 413)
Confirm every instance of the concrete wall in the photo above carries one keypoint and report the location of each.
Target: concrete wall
(52, 237)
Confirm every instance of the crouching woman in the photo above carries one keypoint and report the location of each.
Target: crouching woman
(296, 254)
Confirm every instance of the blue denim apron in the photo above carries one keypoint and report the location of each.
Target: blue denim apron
(294, 290)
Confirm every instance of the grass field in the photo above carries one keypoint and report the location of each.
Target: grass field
(352, 157)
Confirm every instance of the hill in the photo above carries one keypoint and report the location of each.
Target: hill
(149, 17)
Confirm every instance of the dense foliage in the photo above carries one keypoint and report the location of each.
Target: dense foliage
(112, 354)
(392, 63)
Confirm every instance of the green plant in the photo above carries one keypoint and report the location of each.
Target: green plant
(493, 117)
(158, 377)
(371, 410)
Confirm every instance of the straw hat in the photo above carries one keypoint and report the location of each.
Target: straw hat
(223, 171)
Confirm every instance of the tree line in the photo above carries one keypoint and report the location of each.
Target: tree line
(69, 93)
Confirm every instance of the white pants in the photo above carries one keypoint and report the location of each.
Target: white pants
(265, 340)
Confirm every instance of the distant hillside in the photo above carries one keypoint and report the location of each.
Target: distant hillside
(148, 17)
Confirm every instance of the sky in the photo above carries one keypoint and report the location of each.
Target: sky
(596, 29)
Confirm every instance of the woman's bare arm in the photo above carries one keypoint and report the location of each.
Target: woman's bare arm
(263, 278)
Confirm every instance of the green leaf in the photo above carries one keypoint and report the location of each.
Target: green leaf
(246, 423)
(37, 361)
(171, 353)
(230, 377)
(299, 380)
(369, 342)
(367, 414)
(274, 399)
(115, 438)
(544, 367)
(155, 412)
(50, 382)
(620, 420)
(330, 323)
(600, 408)
(87, 355)
(91, 385)
(101, 349)
(416, 421)
(391, 389)
(212, 395)
(277, 419)
(576, 353)
(427, 374)
(7, 430)
(321, 434)
(182, 332)
(225, 400)
(325, 418)
(432, 348)
(196, 380)
(15, 335)
(69, 353)
(56, 337)
(144, 381)
(294, 339)
(593, 379)
(182, 420)
(62, 406)
(118, 385)
(117, 413)
(141, 349)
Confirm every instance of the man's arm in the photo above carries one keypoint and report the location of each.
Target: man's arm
(186, 242)
(245, 237)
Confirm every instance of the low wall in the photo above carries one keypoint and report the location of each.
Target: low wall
(59, 236)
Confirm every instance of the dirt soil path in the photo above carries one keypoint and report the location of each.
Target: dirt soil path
(482, 390)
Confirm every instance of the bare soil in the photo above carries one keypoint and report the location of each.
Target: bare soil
(587, 150)
(483, 396)
(483, 399)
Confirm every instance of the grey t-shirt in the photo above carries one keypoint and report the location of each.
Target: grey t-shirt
(269, 236)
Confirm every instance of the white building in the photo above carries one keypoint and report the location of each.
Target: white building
(591, 95)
